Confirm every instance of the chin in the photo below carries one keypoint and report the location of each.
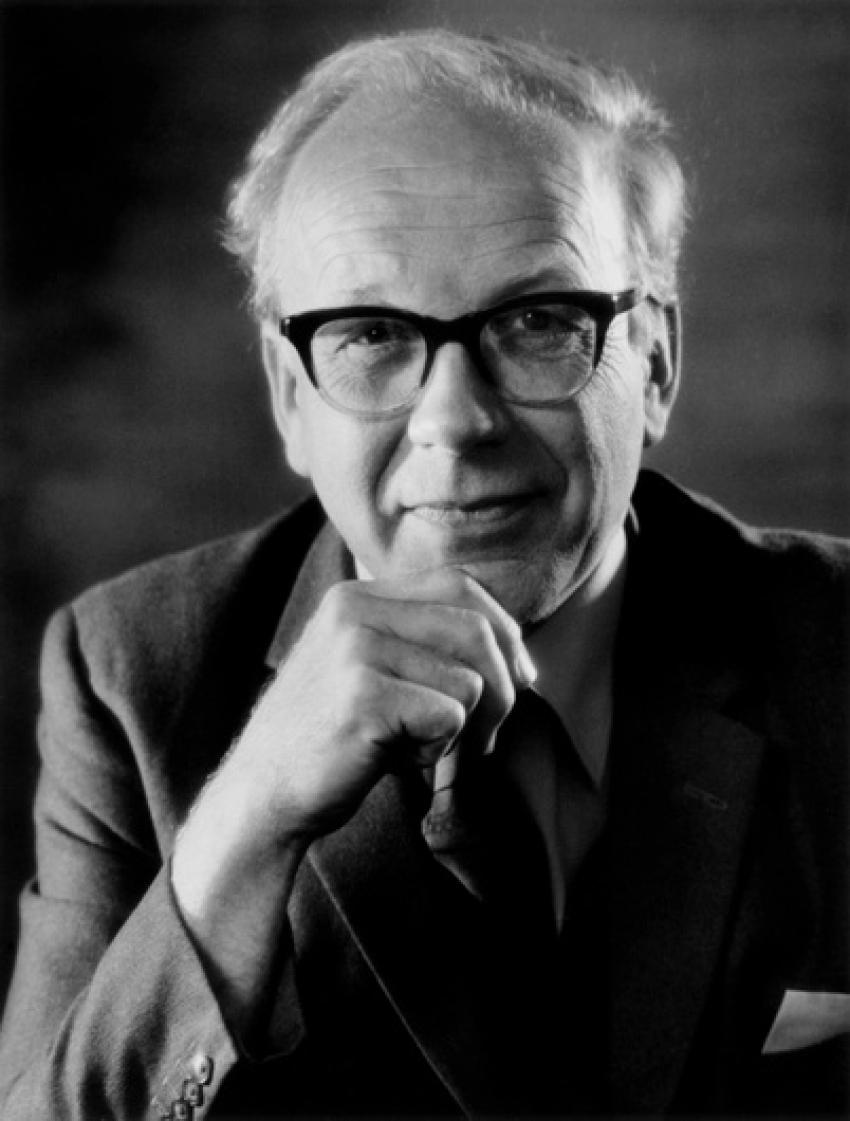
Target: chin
(526, 590)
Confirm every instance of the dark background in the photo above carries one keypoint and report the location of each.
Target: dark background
(133, 413)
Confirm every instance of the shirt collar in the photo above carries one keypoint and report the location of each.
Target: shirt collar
(573, 650)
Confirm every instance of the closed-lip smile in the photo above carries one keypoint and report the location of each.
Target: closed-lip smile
(472, 511)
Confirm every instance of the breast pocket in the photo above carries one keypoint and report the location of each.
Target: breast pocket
(807, 1019)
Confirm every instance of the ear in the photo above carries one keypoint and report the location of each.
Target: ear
(281, 364)
(662, 379)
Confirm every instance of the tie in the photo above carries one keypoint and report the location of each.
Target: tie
(478, 826)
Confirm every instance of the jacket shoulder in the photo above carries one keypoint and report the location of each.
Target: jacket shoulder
(779, 598)
(167, 610)
(703, 525)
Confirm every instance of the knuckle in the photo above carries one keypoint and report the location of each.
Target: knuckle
(478, 627)
(356, 646)
(338, 604)
(360, 685)
(472, 684)
(453, 718)
(444, 719)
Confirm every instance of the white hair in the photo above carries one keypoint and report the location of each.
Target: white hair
(519, 81)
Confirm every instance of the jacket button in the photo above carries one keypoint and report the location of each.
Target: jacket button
(202, 1068)
(192, 1092)
(181, 1111)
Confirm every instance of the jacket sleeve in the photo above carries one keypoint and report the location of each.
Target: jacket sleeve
(110, 1013)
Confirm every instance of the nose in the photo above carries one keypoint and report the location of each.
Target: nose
(457, 408)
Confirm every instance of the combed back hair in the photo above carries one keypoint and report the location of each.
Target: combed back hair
(520, 82)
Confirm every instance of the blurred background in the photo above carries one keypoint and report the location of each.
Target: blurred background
(133, 417)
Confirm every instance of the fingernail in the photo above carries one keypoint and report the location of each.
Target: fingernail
(525, 668)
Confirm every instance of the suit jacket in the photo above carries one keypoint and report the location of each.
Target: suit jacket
(722, 883)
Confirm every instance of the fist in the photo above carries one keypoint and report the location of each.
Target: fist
(387, 674)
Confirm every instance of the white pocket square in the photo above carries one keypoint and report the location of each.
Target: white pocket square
(807, 1018)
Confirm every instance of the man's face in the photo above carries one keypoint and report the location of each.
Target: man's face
(441, 214)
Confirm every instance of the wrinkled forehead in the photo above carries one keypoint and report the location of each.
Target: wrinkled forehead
(390, 189)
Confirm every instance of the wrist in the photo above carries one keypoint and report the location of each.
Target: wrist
(232, 851)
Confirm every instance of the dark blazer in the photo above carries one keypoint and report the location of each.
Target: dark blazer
(722, 882)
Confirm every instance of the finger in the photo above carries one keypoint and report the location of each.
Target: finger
(423, 665)
(453, 637)
(445, 770)
(350, 610)
(452, 587)
(418, 723)
(353, 611)
(447, 673)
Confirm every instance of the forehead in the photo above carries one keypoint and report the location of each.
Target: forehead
(432, 207)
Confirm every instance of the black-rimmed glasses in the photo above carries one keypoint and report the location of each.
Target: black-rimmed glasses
(534, 350)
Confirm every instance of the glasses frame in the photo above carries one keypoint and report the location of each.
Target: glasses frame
(602, 307)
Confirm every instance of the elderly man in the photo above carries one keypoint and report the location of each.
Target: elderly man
(497, 781)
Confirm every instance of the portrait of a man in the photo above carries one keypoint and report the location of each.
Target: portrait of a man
(500, 772)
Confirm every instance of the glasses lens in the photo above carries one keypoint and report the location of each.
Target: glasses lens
(368, 364)
(540, 351)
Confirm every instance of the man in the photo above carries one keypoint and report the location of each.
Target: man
(495, 782)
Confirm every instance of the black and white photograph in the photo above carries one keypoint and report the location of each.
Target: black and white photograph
(425, 566)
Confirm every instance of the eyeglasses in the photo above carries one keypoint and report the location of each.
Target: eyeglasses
(535, 350)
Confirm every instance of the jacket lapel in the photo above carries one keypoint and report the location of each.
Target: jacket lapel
(439, 956)
(684, 787)
(326, 563)
(687, 756)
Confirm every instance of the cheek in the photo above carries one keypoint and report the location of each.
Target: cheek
(611, 413)
(347, 459)
(341, 466)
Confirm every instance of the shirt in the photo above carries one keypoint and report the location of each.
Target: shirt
(573, 650)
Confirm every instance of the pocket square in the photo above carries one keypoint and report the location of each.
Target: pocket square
(807, 1018)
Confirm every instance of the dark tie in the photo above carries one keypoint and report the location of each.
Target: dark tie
(479, 828)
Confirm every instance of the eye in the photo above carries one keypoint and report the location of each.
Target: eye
(374, 333)
(542, 333)
(538, 319)
(538, 323)
(365, 345)
(364, 334)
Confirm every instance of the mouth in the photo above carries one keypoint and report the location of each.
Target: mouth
(488, 510)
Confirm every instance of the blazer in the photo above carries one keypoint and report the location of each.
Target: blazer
(711, 969)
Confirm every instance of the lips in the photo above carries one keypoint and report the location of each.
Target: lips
(472, 511)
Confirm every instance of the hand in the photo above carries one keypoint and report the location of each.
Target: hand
(387, 674)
